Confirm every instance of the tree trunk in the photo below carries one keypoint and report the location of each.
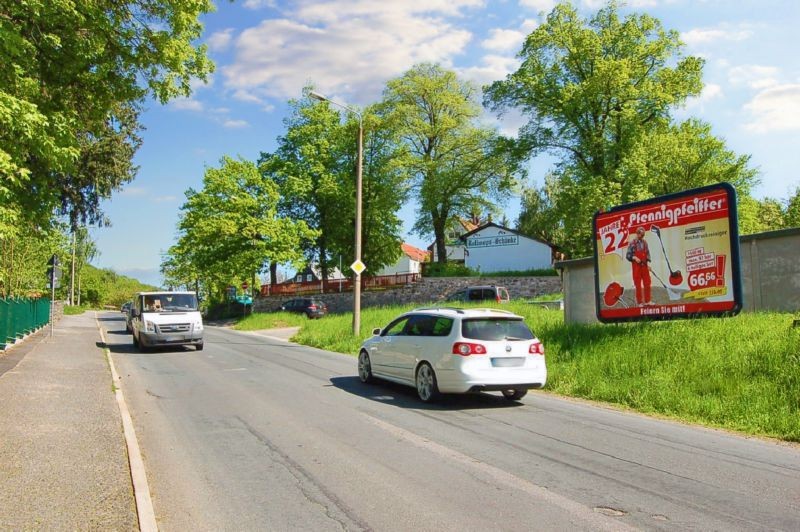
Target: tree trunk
(438, 232)
(323, 263)
(273, 273)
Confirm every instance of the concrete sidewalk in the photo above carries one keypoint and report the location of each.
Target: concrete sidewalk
(63, 459)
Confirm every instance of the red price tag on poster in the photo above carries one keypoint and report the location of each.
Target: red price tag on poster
(703, 278)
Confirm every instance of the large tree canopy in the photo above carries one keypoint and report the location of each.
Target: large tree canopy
(231, 229)
(458, 166)
(72, 78)
(599, 93)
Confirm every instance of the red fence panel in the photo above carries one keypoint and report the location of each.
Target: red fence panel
(344, 285)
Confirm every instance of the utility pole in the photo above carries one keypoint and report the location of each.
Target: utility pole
(72, 273)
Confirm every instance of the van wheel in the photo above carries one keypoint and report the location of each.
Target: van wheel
(427, 388)
(198, 347)
(514, 395)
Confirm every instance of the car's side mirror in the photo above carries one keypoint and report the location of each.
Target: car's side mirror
(376, 332)
(135, 313)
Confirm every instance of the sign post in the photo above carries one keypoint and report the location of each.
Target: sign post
(53, 276)
(245, 286)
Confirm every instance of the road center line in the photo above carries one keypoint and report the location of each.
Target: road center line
(577, 510)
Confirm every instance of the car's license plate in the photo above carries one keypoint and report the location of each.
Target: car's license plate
(508, 362)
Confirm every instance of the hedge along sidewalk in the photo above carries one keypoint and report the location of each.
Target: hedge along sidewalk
(62, 454)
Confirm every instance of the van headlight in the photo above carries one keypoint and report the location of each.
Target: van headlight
(149, 326)
(198, 326)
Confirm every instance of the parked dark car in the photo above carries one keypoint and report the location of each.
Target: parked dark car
(312, 308)
(481, 293)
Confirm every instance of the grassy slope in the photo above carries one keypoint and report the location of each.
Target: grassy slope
(739, 373)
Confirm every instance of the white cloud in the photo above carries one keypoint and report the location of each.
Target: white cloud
(754, 76)
(723, 32)
(492, 68)
(133, 192)
(268, 108)
(539, 5)
(348, 47)
(165, 199)
(186, 104)
(710, 92)
(258, 4)
(775, 109)
(230, 123)
(220, 40)
(246, 96)
(501, 40)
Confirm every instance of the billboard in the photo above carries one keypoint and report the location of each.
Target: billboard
(674, 256)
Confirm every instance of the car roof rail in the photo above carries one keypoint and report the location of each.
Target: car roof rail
(455, 309)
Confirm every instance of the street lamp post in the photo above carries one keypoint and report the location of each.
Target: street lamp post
(357, 284)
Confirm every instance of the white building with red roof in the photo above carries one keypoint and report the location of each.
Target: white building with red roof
(410, 261)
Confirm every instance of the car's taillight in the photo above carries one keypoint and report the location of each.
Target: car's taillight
(465, 349)
(497, 298)
(312, 307)
(536, 348)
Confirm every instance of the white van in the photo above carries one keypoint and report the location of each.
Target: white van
(166, 318)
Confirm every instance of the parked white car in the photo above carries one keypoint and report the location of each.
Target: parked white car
(448, 350)
(166, 318)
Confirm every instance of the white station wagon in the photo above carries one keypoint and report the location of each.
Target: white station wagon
(449, 350)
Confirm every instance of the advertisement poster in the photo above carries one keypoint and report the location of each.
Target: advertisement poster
(670, 257)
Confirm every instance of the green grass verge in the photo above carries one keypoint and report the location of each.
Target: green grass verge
(740, 373)
(74, 310)
(270, 320)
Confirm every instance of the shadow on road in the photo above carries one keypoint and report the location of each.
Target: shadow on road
(129, 349)
(115, 318)
(406, 396)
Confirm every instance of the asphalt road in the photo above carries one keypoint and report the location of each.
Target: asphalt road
(255, 433)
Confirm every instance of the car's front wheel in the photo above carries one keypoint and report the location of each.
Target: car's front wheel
(514, 395)
(427, 388)
(365, 368)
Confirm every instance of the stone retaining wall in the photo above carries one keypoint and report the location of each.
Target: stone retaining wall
(427, 290)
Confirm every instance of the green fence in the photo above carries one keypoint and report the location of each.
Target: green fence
(21, 316)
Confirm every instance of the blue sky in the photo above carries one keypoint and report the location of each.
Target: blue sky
(266, 51)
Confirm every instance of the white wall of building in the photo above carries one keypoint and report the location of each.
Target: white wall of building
(494, 249)
(403, 265)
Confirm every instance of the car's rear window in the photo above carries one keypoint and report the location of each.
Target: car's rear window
(495, 329)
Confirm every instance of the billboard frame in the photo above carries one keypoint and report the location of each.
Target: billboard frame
(735, 259)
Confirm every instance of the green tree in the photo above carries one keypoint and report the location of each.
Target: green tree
(456, 165)
(73, 77)
(230, 229)
(792, 212)
(599, 93)
(312, 172)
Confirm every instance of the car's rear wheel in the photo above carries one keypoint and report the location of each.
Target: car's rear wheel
(427, 388)
(365, 368)
(514, 395)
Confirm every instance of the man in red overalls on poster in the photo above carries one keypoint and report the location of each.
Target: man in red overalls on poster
(639, 255)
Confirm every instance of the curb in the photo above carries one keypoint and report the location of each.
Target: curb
(141, 489)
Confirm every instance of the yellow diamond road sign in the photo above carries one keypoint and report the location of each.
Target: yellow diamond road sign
(358, 267)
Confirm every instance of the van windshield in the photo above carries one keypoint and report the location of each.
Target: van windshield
(169, 302)
(495, 329)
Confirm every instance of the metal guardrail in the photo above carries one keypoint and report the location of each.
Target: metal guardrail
(21, 316)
